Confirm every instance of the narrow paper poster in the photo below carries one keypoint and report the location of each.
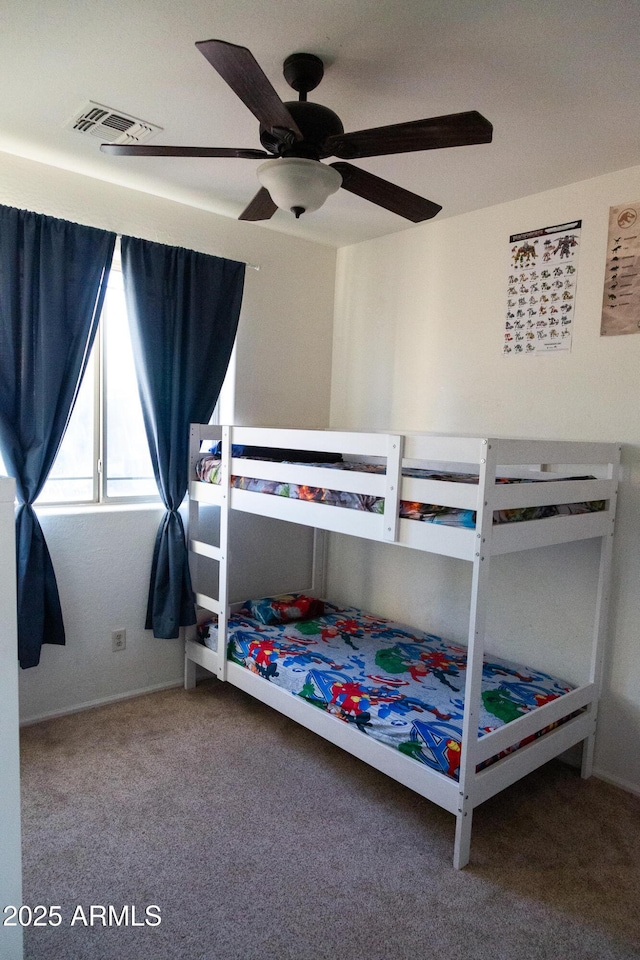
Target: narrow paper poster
(541, 290)
(621, 298)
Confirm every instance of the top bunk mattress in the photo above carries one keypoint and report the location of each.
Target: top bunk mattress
(397, 684)
(208, 470)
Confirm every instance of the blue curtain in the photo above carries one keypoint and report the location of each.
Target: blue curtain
(183, 312)
(53, 277)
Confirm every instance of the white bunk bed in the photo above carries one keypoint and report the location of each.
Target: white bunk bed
(547, 731)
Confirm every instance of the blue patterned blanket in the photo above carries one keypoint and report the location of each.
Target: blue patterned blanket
(395, 683)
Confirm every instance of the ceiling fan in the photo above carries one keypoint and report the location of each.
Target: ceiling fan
(299, 135)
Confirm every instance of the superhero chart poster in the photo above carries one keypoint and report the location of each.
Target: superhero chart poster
(541, 290)
(621, 296)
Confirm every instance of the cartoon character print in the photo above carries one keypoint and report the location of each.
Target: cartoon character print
(260, 654)
(490, 669)
(524, 254)
(437, 745)
(355, 700)
(542, 698)
(419, 663)
(293, 653)
(263, 658)
(346, 628)
(297, 607)
(510, 702)
(402, 705)
(499, 704)
(351, 702)
(565, 244)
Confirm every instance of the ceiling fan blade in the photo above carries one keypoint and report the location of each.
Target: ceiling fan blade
(239, 68)
(454, 130)
(156, 150)
(261, 207)
(388, 195)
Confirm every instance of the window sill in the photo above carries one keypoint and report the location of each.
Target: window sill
(81, 509)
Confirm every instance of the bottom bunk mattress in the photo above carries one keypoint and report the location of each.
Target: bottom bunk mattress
(395, 683)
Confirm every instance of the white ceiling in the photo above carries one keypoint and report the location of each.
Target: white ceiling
(559, 80)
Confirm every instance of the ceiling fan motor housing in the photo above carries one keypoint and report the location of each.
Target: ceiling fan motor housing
(316, 123)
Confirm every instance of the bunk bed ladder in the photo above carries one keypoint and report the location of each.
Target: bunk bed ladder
(220, 554)
(475, 652)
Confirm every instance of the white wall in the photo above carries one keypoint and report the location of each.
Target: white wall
(102, 559)
(418, 332)
(10, 830)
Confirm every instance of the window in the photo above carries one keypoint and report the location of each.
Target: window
(127, 470)
(104, 456)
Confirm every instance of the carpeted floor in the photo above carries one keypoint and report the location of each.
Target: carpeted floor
(259, 841)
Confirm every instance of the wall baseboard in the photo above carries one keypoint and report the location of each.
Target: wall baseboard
(101, 702)
(617, 782)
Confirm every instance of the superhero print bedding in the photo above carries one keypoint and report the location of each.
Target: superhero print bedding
(395, 683)
(208, 471)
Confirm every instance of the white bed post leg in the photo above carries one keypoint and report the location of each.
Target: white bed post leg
(319, 563)
(226, 449)
(475, 653)
(601, 619)
(462, 846)
(588, 749)
(189, 674)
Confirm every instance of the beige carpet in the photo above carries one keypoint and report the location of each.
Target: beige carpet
(259, 841)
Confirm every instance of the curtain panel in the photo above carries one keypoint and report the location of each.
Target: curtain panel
(183, 310)
(53, 278)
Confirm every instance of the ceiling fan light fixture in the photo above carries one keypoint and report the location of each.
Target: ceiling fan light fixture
(298, 184)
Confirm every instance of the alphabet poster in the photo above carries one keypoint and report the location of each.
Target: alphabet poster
(541, 290)
(621, 298)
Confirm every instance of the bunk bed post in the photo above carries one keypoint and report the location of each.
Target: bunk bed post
(601, 617)
(395, 450)
(319, 563)
(189, 674)
(223, 565)
(462, 844)
(475, 652)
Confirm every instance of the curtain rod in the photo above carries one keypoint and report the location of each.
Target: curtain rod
(250, 266)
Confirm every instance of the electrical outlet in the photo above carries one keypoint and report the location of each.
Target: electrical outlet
(118, 639)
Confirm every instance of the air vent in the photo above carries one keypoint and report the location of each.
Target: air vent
(111, 126)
